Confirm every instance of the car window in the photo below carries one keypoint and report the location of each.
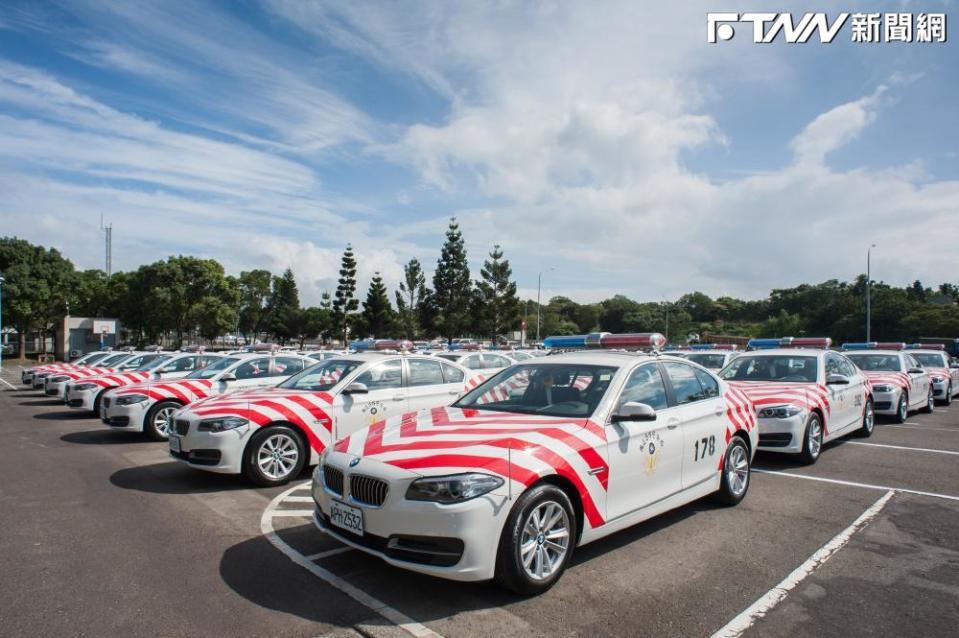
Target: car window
(321, 376)
(930, 360)
(496, 361)
(183, 364)
(521, 356)
(473, 362)
(847, 367)
(206, 360)
(709, 383)
(425, 372)
(253, 369)
(786, 368)
(285, 366)
(877, 362)
(645, 385)
(383, 376)
(452, 374)
(686, 387)
(832, 364)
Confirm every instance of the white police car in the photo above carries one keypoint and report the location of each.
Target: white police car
(943, 372)
(898, 381)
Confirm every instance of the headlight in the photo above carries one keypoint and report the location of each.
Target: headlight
(58, 379)
(882, 387)
(130, 399)
(779, 412)
(221, 424)
(937, 379)
(452, 489)
(80, 387)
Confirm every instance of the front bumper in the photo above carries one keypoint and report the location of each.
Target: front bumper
(886, 402)
(220, 452)
(939, 389)
(58, 389)
(126, 417)
(782, 435)
(418, 536)
(81, 399)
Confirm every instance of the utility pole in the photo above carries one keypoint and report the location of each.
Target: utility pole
(539, 288)
(868, 286)
(108, 246)
(666, 305)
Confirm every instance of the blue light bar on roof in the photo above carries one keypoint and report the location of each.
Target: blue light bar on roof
(764, 344)
(869, 345)
(606, 340)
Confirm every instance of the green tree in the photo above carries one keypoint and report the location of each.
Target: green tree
(284, 308)
(255, 287)
(345, 302)
(90, 296)
(451, 284)
(180, 289)
(377, 311)
(409, 298)
(499, 308)
(37, 285)
(314, 322)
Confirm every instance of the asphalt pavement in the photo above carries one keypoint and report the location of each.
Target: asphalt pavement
(101, 534)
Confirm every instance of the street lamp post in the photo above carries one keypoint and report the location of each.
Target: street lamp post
(666, 304)
(539, 287)
(868, 287)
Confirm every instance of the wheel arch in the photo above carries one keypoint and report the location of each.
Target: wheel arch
(298, 430)
(567, 486)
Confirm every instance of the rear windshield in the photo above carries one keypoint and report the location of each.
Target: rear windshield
(783, 368)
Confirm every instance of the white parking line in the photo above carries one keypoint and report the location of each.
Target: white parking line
(854, 484)
(902, 447)
(293, 513)
(774, 596)
(395, 616)
(298, 499)
(909, 427)
(8, 384)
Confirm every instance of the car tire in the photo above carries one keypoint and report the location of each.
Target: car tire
(868, 420)
(948, 400)
(812, 440)
(930, 406)
(902, 409)
(735, 473)
(274, 456)
(152, 425)
(528, 573)
(97, 401)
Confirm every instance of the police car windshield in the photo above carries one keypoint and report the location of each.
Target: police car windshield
(213, 369)
(783, 368)
(711, 361)
(930, 360)
(87, 359)
(114, 359)
(549, 389)
(157, 361)
(876, 362)
(448, 357)
(143, 362)
(321, 376)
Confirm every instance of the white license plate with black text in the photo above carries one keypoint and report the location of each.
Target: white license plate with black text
(174, 443)
(346, 517)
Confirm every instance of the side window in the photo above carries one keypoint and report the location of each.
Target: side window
(645, 385)
(424, 372)
(473, 362)
(253, 369)
(205, 361)
(847, 368)
(383, 376)
(186, 364)
(832, 364)
(452, 374)
(710, 385)
(496, 361)
(286, 366)
(686, 386)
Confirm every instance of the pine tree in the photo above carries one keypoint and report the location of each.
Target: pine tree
(345, 302)
(451, 284)
(409, 298)
(284, 307)
(498, 306)
(377, 311)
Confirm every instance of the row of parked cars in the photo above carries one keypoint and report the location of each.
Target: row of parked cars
(472, 465)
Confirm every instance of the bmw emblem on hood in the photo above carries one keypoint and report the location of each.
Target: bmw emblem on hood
(355, 462)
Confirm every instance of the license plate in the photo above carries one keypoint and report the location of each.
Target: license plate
(346, 517)
(174, 443)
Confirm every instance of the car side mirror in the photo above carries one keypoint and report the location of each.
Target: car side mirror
(229, 376)
(356, 388)
(954, 365)
(634, 411)
(916, 370)
(837, 379)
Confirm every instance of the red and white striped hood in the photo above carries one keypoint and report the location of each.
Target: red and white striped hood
(83, 373)
(945, 373)
(807, 396)
(263, 406)
(895, 379)
(183, 390)
(120, 379)
(520, 448)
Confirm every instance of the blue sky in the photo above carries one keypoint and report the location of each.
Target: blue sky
(605, 141)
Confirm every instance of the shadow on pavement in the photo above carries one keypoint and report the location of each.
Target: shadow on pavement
(72, 415)
(104, 437)
(43, 402)
(174, 478)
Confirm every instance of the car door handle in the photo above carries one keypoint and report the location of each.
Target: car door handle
(720, 411)
(399, 397)
(454, 392)
(672, 424)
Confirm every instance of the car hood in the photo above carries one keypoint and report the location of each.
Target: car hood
(897, 379)
(804, 395)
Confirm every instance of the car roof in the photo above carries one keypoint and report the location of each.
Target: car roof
(789, 351)
(853, 352)
(599, 357)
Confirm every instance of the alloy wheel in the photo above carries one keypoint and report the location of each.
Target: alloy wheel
(869, 419)
(815, 438)
(163, 421)
(545, 540)
(737, 470)
(277, 456)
